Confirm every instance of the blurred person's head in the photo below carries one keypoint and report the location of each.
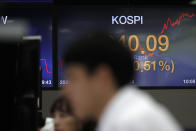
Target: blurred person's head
(97, 65)
(64, 120)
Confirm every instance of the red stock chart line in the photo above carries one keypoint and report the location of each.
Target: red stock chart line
(177, 22)
(172, 24)
(46, 66)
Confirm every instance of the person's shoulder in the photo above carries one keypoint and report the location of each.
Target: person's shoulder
(126, 105)
(133, 109)
(49, 125)
(131, 96)
(134, 103)
(140, 111)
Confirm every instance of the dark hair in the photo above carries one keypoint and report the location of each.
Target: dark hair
(62, 105)
(94, 49)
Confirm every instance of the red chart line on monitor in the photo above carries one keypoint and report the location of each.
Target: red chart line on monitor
(46, 66)
(172, 24)
(177, 22)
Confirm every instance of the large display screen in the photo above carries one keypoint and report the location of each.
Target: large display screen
(162, 40)
(37, 21)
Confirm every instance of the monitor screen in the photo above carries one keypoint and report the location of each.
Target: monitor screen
(161, 39)
(37, 21)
